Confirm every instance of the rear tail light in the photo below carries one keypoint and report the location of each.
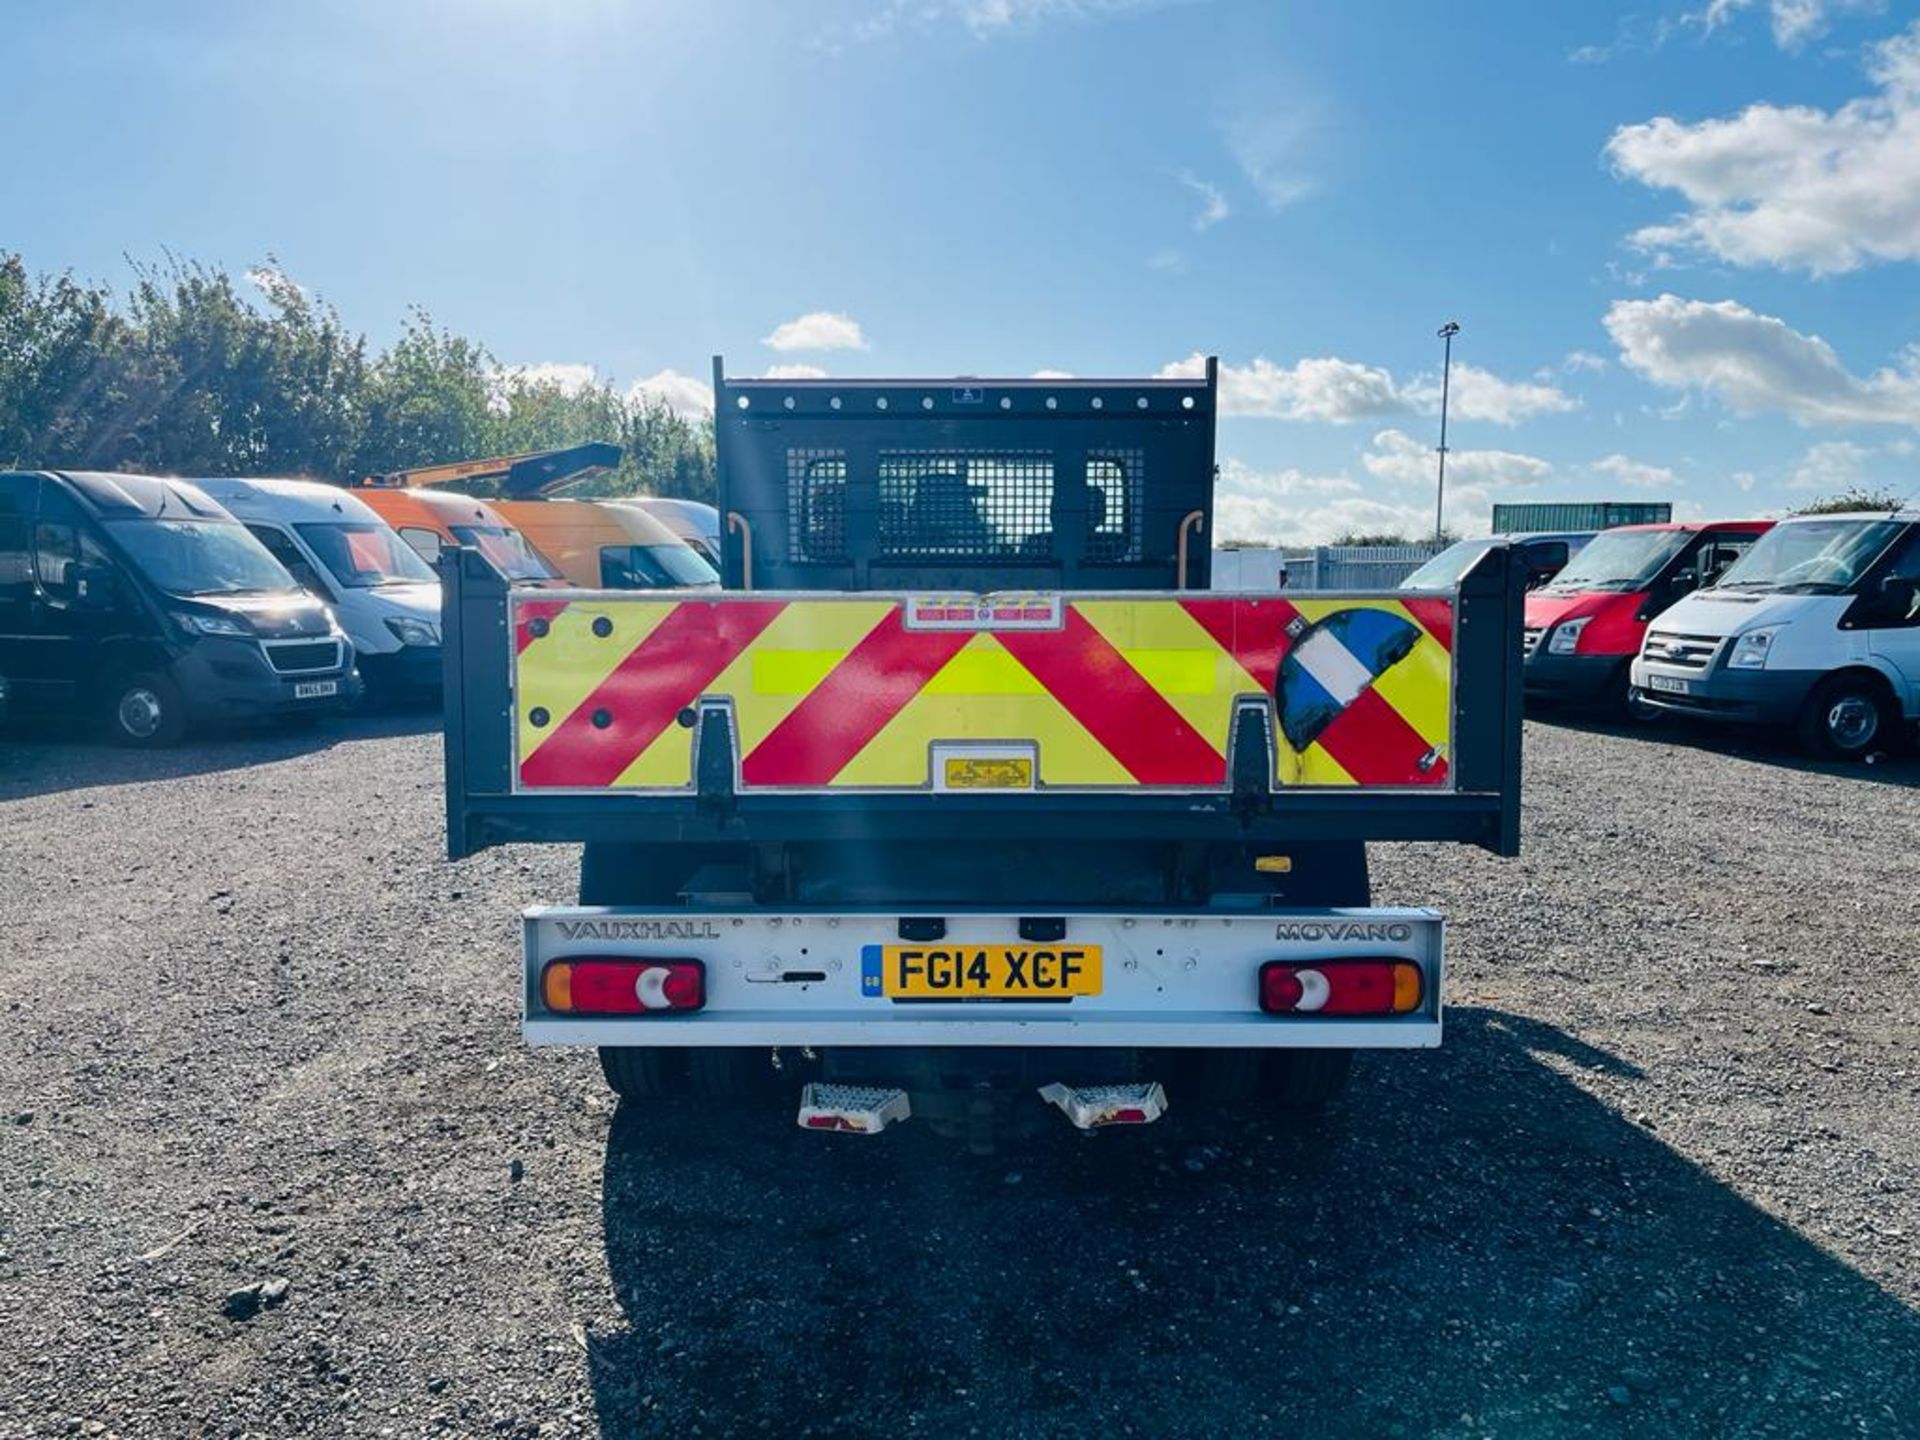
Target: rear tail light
(604, 985)
(1340, 987)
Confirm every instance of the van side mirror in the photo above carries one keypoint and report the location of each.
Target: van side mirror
(95, 587)
(1901, 595)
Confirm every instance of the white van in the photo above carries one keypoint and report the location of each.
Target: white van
(384, 595)
(1816, 627)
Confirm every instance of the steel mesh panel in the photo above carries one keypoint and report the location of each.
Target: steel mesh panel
(817, 505)
(989, 503)
(1116, 486)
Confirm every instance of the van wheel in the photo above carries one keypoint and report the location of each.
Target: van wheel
(637, 1072)
(1303, 1081)
(1845, 717)
(144, 711)
(1630, 702)
(727, 1073)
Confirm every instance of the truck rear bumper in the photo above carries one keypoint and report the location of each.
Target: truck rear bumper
(798, 978)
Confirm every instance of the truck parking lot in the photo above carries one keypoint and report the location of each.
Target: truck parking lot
(1663, 1177)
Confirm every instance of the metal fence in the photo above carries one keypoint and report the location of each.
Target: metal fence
(1356, 567)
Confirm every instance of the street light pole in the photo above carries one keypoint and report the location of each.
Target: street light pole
(1446, 333)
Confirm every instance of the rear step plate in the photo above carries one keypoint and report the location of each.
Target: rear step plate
(1097, 1105)
(852, 1109)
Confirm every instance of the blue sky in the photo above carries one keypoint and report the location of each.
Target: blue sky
(1682, 240)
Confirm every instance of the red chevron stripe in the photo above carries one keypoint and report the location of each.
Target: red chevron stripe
(1253, 632)
(659, 678)
(1435, 617)
(1116, 704)
(1374, 743)
(530, 610)
(859, 696)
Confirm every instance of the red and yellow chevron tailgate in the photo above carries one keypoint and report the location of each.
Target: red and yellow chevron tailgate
(853, 692)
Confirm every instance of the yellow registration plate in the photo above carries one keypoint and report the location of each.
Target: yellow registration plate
(981, 972)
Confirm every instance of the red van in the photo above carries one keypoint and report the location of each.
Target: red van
(1585, 626)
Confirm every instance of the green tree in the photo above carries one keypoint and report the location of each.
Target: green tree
(1858, 498)
(196, 374)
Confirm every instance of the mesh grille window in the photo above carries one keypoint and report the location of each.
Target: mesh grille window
(992, 503)
(817, 505)
(1116, 486)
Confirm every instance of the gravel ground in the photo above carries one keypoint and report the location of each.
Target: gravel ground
(1663, 1179)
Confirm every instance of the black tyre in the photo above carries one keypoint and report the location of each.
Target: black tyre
(1628, 704)
(636, 1072)
(1225, 1077)
(717, 1073)
(143, 711)
(1306, 1080)
(1847, 716)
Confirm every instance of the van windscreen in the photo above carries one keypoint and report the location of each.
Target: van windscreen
(1811, 556)
(200, 557)
(361, 555)
(507, 549)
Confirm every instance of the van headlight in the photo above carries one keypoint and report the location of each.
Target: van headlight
(1567, 635)
(197, 622)
(414, 632)
(1750, 650)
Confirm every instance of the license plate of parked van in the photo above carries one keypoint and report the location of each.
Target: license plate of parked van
(1666, 684)
(315, 689)
(980, 972)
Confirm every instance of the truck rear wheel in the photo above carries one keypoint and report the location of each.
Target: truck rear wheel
(637, 1072)
(727, 1073)
(1306, 1080)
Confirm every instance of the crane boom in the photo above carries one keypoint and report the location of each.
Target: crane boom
(537, 472)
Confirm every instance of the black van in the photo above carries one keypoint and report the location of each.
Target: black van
(141, 604)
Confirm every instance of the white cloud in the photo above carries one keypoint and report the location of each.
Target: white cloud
(565, 376)
(1831, 465)
(1313, 389)
(1397, 456)
(1271, 148)
(982, 19)
(1292, 508)
(1635, 473)
(682, 394)
(1745, 479)
(1338, 391)
(1172, 262)
(1052, 375)
(1792, 186)
(1756, 362)
(1481, 395)
(1794, 22)
(794, 372)
(1577, 360)
(817, 330)
(1213, 204)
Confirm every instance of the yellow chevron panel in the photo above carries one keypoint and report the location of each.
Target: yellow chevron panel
(1176, 655)
(766, 681)
(1419, 687)
(976, 696)
(560, 669)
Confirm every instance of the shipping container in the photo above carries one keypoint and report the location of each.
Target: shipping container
(1528, 516)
